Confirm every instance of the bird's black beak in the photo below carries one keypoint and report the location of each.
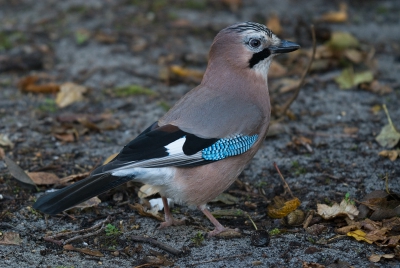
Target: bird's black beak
(284, 47)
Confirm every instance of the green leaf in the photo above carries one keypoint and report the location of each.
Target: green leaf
(348, 79)
(342, 41)
(389, 136)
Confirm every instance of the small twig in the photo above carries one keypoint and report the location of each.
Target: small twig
(86, 235)
(286, 186)
(255, 226)
(289, 102)
(156, 243)
(53, 239)
(222, 258)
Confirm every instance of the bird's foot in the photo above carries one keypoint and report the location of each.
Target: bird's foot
(172, 222)
(224, 232)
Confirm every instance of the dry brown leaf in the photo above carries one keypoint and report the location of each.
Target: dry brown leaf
(195, 75)
(10, 238)
(301, 141)
(378, 257)
(76, 177)
(28, 84)
(44, 178)
(2, 153)
(312, 265)
(337, 210)
(65, 137)
(376, 87)
(274, 24)
(391, 154)
(336, 16)
(94, 201)
(350, 130)
(142, 211)
(282, 208)
(70, 93)
(86, 251)
(346, 229)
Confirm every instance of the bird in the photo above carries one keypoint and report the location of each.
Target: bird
(201, 145)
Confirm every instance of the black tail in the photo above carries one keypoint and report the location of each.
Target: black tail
(78, 192)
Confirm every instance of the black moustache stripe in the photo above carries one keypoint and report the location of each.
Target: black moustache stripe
(259, 56)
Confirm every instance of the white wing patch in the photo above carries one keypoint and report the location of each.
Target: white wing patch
(176, 146)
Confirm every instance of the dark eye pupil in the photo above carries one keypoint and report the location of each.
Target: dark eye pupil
(255, 43)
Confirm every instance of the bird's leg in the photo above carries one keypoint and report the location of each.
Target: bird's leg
(219, 228)
(169, 219)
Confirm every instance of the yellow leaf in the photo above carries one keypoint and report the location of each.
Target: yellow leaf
(186, 73)
(336, 16)
(281, 209)
(348, 79)
(391, 154)
(359, 236)
(274, 24)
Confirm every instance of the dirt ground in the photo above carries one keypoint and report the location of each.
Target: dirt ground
(105, 45)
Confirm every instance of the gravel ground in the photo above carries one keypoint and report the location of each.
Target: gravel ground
(144, 37)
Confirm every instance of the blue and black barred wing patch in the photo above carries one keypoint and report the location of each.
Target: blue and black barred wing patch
(168, 146)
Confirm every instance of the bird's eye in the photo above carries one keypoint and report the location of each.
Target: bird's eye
(254, 43)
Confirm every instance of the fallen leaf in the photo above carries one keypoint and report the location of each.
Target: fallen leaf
(226, 199)
(378, 257)
(28, 84)
(186, 73)
(301, 141)
(312, 265)
(142, 211)
(274, 24)
(348, 79)
(354, 55)
(70, 93)
(76, 177)
(342, 40)
(5, 141)
(43, 178)
(350, 130)
(229, 213)
(376, 87)
(94, 201)
(389, 136)
(86, 251)
(391, 154)
(288, 84)
(10, 238)
(337, 210)
(65, 137)
(359, 235)
(282, 208)
(17, 172)
(147, 190)
(336, 16)
(2, 153)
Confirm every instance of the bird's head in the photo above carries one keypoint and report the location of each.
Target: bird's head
(249, 45)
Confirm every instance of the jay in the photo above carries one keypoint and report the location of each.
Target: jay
(201, 145)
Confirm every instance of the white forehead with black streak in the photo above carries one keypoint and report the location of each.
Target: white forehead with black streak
(257, 39)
